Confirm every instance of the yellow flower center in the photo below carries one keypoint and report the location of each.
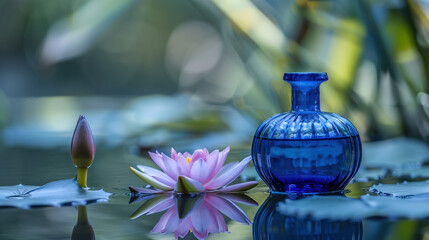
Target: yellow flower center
(189, 160)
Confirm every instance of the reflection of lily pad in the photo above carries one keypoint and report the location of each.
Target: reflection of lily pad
(342, 208)
(395, 153)
(405, 189)
(57, 193)
(326, 207)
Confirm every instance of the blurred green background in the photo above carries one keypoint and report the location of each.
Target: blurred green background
(147, 72)
(151, 74)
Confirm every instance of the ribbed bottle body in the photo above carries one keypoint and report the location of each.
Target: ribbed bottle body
(307, 165)
(306, 152)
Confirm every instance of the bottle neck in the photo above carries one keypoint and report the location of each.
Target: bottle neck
(305, 97)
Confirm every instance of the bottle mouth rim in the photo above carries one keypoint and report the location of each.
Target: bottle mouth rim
(305, 76)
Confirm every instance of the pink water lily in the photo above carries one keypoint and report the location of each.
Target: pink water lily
(192, 173)
(199, 215)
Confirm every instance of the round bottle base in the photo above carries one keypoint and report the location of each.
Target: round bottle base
(306, 188)
(298, 193)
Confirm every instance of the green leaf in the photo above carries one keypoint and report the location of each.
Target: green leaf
(149, 205)
(396, 153)
(150, 180)
(187, 185)
(75, 34)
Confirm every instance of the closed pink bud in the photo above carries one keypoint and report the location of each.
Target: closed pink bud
(82, 145)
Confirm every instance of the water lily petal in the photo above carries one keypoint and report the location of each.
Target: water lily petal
(188, 185)
(184, 166)
(217, 222)
(221, 160)
(206, 152)
(183, 229)
(161, 206)
(200, 171)
(150, 180)
(228, 208)
(163, 180)
(241, 187)
(157, 204)
(157, 158)
(223, 227)
(171, 168)
(212, 160)
(238, 197)
(165, 223)
(173, 222)
(227, 176)
(200, 235)
(198, 154)
(227, 167)
(173, 154)
(199, 219)
(155, 173)
(144, 190)
(185, 155)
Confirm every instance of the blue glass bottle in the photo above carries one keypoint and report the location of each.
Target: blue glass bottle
(306, 150)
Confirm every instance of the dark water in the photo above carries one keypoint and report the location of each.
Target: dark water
(111, 220)
(316, 165)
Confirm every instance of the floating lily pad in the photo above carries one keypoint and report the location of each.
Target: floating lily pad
(405, 189)
(364, 175)
(393, 207)
(57, 193)
(342, 208)
(413, 173)
(397, 153)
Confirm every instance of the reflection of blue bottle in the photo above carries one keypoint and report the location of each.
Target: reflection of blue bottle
(306, 150)
(269, 224)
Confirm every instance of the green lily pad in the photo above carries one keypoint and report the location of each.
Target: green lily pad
(402, 190)
(58, 193)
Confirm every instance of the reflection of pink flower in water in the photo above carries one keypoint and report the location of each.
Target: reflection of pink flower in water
(191, 173)
(200, 215)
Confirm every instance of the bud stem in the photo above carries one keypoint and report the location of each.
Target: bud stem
(82, 216)
(81, 176)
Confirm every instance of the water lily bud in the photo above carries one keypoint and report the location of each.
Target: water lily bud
(82, 149)
(82, 145)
